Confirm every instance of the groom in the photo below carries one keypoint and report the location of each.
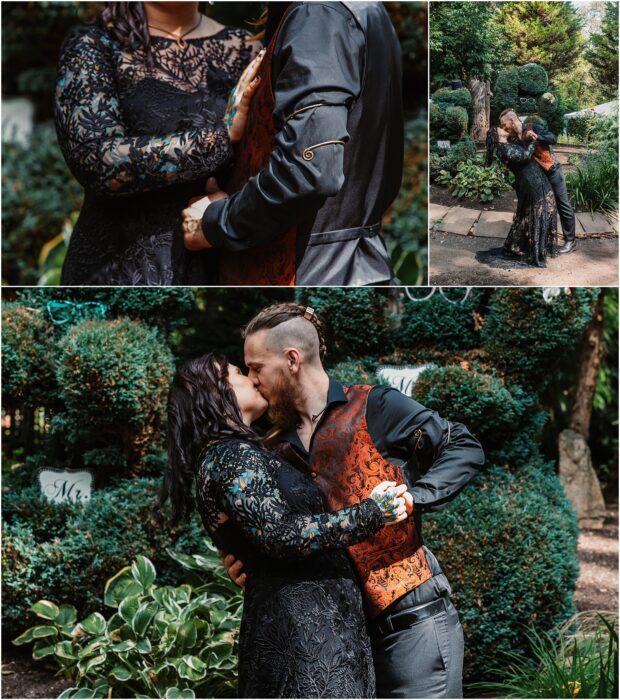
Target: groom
(545, 157)
(321, 158)
(348, 439)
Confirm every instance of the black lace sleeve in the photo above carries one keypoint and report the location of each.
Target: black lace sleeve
(516, 153)
(235, 477)
(99, 152)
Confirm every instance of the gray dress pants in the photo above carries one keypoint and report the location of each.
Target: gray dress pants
(424, 660)
(565, 208)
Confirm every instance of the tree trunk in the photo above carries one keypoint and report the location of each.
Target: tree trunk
(591, 354)
(481, 108)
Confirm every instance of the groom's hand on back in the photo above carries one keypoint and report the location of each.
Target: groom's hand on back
(193, 236)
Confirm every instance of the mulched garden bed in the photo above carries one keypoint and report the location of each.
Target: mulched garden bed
(22, 677)
(505, 201)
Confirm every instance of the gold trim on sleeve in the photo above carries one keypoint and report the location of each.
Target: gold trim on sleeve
(303, 109)
(308, 153)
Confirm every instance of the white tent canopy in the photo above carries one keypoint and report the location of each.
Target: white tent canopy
(608, 109)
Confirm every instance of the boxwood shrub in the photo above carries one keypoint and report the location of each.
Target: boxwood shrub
(508, 545)
(28, 350)
(439, 323)
(114, 378)
(526, 337)
(506, 419)
(460, 97)
(456, 122)
(533, 79)
(67, 552)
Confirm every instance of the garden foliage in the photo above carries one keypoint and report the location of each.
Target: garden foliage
(507, 543)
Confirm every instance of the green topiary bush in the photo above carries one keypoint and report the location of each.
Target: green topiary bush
(114, 378)
(355, 320)
(461, 97)
(533, 79)
(526, 337)
(505, 90)
(67, 552)
(506, 419)
(508, 545)
(524, 105)
(438, 323)
(166, 308)
(456, 122)
(28, 351)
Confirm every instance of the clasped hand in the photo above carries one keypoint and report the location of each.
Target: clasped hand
(398, 506)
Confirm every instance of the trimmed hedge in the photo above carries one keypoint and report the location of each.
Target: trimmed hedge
(66, 553)
(527, 337)
(460, 97)
(456, 121)
(114, 378)
(438, 323)
(164, 308)
(533, 79)
(506, 90)
(508, 545)
(505, 418)
(28, 349)
(355, 320)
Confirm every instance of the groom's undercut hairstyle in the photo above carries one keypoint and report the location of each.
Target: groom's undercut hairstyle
(508, 113)
(290, 325)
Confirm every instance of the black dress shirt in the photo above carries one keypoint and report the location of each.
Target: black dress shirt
(438, 457)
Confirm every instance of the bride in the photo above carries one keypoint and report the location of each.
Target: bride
(140, 106)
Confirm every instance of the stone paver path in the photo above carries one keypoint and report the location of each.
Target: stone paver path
(458, 220)
(496, 224)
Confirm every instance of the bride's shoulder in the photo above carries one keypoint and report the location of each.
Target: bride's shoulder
(85, 38)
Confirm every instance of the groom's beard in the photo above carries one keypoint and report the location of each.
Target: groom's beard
(282, 411)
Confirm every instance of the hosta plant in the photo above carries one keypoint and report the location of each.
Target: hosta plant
(160, 641)
(474, 180)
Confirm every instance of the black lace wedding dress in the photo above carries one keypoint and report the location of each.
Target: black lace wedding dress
(303, 632)
(534, 231)
(142, 137)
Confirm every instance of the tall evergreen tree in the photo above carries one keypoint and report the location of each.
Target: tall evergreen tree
(602, 54)
(547, 33)
(464, 42)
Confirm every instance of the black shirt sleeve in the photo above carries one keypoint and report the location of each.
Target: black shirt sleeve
(404, 429)
(317, 70)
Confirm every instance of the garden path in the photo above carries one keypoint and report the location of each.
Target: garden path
(470, 260)
(597, 588)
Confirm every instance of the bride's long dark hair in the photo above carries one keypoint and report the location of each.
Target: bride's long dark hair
(201, 408)
(491, 145)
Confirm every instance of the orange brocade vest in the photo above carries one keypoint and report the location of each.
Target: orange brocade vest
(273, 263)
(348, 466)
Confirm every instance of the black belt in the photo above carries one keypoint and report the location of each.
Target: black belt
(402, 620)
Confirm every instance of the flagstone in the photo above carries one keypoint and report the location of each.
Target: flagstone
(594, 224)
(493, 224)
(436, 212)
(458, 220)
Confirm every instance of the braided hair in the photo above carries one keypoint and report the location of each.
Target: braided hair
(276, 314)
(202, 408)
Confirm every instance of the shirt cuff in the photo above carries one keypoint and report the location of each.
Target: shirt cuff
(210, 224)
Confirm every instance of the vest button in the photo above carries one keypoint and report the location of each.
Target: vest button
(313, 475)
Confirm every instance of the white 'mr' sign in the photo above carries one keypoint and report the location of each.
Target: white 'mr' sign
(60, 485)
(402, 378)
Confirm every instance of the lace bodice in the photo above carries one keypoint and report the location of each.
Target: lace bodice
(303, 632)
(147, 135)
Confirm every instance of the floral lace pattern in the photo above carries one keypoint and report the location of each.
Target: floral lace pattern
(303, 632)
(149, 135)
(533, 234)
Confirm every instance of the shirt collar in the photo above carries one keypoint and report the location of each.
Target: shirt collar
(335, 395)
